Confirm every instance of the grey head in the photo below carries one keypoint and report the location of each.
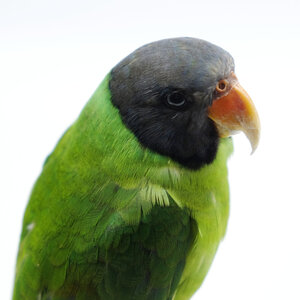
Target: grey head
(163, 91)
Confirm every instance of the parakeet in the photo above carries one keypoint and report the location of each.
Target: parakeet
(134, 200)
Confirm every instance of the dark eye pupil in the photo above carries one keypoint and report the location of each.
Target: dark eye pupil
(176, 99)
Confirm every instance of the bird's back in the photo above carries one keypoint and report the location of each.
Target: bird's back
(109, 219)
(120, 261)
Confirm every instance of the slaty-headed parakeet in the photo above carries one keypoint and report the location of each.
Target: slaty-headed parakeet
(133, 201)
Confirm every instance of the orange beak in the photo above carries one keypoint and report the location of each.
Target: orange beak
(236, 112)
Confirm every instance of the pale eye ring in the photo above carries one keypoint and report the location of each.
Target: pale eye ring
(176, 100)
(222, 86)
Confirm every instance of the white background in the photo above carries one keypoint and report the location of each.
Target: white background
(53, 55)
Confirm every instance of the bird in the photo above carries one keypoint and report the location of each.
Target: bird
(134, 199)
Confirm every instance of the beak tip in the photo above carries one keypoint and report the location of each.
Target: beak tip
(254, 139)
(253, 150)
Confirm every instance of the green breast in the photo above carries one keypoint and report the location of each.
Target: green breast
(108, 219)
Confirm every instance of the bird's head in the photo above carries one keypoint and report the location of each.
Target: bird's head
(180, 96)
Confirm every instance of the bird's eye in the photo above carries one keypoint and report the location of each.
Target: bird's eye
(176, 100)
(222, 86)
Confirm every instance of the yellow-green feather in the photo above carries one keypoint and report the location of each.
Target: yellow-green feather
(99, 195)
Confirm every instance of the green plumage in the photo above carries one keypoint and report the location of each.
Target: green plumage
(110, 219)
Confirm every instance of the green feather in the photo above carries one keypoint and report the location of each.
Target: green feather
(109, 219)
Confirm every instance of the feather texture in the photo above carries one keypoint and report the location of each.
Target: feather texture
(114, 220)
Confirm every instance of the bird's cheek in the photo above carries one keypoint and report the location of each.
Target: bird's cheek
(236, 112)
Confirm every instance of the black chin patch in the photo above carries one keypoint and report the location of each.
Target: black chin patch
(204, 145)
(186, 136)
